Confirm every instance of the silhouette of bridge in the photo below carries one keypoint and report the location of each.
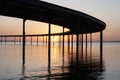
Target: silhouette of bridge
(77, 22)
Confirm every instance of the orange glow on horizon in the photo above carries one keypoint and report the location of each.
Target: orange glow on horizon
(54, 38)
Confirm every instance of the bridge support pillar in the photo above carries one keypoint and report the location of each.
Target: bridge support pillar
(31, 40)
(43, 40)
(68, 43)
(19, 40)
(77, 48)
(101, 48)
(82, 48)
(72, 43)
(63, 41)
(59, 40)
(86, 48)
(14, 40)
(23, 56)
(1, 39)
(53, 41)
(91, 48)
(37, 40)
(5, 39)
(46, 40)
(49, 45)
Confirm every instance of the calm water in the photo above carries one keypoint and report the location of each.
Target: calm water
(87, 66)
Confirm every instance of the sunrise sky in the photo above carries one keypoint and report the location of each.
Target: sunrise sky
(105, 10)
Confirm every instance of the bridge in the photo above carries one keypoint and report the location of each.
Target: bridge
(77, 22)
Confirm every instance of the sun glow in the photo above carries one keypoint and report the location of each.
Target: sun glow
(54, 38)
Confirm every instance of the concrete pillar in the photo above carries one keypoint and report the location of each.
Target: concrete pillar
(90, 39)
(59, 40)
(82, 43)
(37, 40)
(1, 39)
(23, 56)
(82, 48)
(53, 41)
(5, 39)
(68, 43)
(77, 48)
(19, 40)
(72, 49)
(63, 41)
(14, 39)
(49, 45)
(46, 40)
(86, 48)
(91, 48)
(31, 40)
(101, 46)
(43, 40)
(72, 43)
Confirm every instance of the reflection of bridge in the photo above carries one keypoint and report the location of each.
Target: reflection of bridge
(77, 22)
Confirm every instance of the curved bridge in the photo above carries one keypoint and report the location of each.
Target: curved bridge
(77, 22)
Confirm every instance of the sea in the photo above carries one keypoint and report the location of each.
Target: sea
(86, 64)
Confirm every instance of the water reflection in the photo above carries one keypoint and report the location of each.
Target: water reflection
(80, 67)
(23, 71)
